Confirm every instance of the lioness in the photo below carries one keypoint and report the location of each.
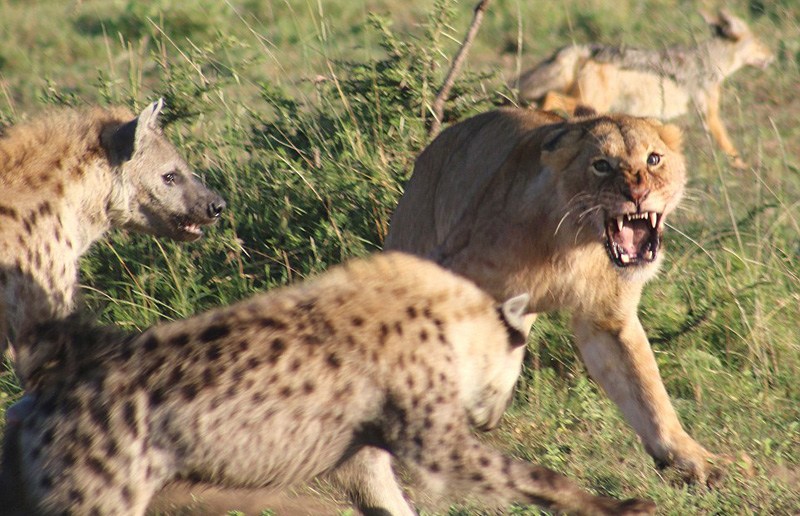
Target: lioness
(571, 212)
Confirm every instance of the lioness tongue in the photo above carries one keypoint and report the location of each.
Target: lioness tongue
(632, 235)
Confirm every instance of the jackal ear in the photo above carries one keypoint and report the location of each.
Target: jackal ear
(725, 25)
(512, 312)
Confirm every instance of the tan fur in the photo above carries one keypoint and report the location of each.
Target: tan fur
(391, 353)
(68, 177)
(512, 199)
(661, 84)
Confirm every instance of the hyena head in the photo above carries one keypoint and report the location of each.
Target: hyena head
(156, 191)
(490, 360)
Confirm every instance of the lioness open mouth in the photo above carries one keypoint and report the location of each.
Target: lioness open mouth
(633, 238)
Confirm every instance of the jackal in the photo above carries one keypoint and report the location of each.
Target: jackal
(655, 83)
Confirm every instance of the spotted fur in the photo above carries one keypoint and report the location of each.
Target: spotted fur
(390, 353)
(68, 177)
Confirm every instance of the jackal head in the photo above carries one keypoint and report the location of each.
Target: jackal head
(748, 50)
(156, 192)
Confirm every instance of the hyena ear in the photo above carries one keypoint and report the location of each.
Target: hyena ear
(123, 141)
(513, 311)
(147, 122)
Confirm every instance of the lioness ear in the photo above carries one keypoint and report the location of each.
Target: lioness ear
(672, 136)
(551, 140)
(512, 312)
(560, 147)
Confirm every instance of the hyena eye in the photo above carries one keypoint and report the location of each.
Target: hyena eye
(169, 178)
(601, 167)
(653, 159)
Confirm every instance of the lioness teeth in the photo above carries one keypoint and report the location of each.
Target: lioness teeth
(651, 216)
(624, 258)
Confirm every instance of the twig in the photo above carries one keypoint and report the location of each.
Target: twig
(443, 94)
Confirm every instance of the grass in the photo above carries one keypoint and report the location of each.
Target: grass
(308, 116)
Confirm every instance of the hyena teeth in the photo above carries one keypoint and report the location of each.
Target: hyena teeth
(653, 219)
(619, 222)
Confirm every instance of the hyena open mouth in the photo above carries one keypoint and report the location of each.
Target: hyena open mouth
(634, 238)
(191, 229)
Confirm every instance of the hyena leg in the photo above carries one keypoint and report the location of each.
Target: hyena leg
(450, 460)
(368, 479)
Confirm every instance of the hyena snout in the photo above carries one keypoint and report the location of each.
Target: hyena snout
(215, 207)
(191, 208)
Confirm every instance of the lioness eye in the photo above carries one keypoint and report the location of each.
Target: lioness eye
(601, 167)
(653, 159)
(169, 178)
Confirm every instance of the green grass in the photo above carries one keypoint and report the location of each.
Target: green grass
(307, 116)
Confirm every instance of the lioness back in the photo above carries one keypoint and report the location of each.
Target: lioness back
(453, 169)
(512, 200)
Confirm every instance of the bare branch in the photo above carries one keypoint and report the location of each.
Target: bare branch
(444, 93)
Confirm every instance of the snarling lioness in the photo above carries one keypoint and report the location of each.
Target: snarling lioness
(573, 212)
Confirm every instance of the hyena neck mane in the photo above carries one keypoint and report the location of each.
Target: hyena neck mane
(61, 160)
(65, 180)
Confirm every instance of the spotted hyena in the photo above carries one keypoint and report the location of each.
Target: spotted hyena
(392, 352)
(66, 179)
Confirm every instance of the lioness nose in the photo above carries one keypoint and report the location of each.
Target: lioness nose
(638, 193)
(215, 207)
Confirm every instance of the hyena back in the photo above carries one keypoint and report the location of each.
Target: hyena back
(392, 353)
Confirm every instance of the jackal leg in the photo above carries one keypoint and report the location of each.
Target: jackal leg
(555, 101)
(717, 129)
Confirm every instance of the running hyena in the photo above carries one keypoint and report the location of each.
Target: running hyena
(393, 353)
(66, 179)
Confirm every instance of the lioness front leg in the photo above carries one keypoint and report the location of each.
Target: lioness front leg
(622, 362)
